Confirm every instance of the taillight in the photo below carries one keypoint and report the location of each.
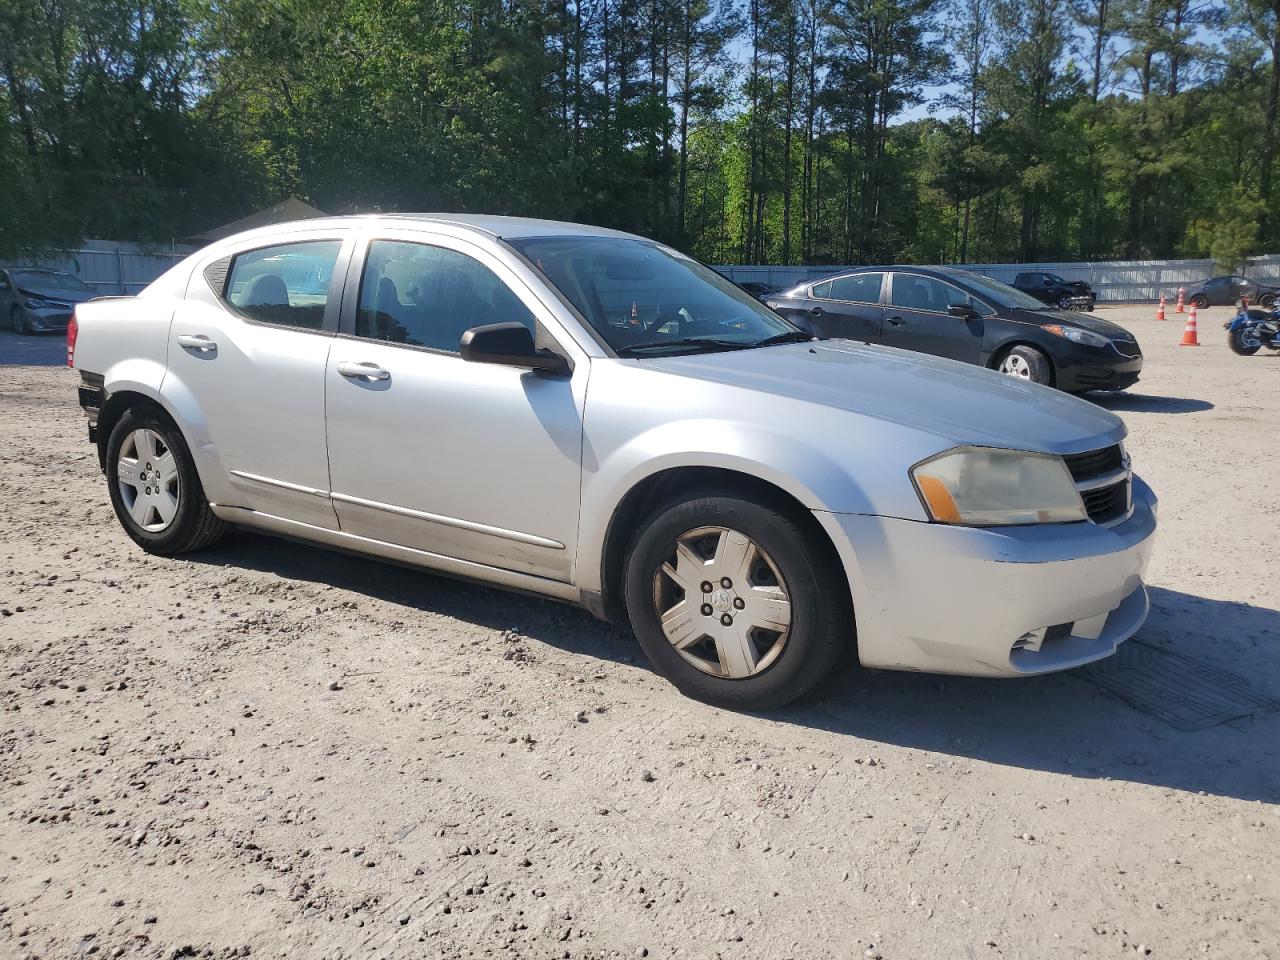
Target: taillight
(73, 329)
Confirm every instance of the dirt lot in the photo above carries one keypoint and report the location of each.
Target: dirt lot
(273, 750)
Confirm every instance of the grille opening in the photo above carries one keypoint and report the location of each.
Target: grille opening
(1094, 463)
(1107, 503)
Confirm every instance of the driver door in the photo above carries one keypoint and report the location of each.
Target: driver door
(472, 461)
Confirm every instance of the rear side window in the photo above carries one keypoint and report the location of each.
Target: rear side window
(285, 285)
(859, 288)
(426, 296)
(822, 290)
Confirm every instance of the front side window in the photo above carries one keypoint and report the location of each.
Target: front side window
(925, 293)
(286, 285)
(426, 296)
(642, 298)
(50, 280)
(859, 288)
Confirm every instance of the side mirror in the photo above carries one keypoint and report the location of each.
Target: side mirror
(510, 345)
(962, 310)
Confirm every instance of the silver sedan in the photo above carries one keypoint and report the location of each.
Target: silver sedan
(597, 418)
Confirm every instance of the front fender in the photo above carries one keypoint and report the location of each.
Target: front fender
(812, 476)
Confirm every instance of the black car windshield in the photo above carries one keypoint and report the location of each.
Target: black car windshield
(49, 279)
(644, 299)
(1001, 294)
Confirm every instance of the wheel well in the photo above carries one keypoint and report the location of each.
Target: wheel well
(1000, 354)
(114, 409)
(650, 493)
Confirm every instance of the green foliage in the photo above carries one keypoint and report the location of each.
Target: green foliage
(740, 130)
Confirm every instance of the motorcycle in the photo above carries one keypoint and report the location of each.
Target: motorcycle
(1251, 329)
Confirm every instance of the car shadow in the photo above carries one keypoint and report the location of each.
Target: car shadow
(1145, 403)
(32, 349)
(1061, 723)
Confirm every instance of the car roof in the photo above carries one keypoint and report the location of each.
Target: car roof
(940, 272)
(496, 226)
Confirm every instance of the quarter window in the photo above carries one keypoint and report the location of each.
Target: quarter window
(287, 285)
(822, 290)
(859, 288)
(425, 296)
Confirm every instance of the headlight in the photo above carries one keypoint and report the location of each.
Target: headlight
(1076, 335)
(983, 487)
(39, 303)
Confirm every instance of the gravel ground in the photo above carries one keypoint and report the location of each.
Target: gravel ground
(268, 749)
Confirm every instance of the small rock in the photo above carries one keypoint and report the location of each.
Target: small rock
(647, 777)
(334, 685)
(150, 918)
(402, 919)
(602, 811)
(259, 889)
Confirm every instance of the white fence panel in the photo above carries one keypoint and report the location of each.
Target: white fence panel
(114, 268)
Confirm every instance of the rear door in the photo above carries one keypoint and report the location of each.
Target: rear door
(248, 350)
(849, 307)
(917, 318)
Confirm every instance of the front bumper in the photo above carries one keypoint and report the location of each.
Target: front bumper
(995, 602)
(1093, 368)
(48, 319)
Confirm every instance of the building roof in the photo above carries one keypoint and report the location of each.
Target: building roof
(286, 210)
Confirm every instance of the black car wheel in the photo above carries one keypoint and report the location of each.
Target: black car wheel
(1026, 363)
(736, 601)
(1200, 301)
(1064, 302)
(17, 320)
(1269, 300)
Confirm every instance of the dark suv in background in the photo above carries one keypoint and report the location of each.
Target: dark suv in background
(965, 316)
(1052, 289)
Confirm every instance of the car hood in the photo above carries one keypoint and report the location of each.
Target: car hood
(57, 293)
(1074, 318)
(958, 402)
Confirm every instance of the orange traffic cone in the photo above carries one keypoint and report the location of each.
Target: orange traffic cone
(1160, 313)
(1189, 338)
(1182, 299)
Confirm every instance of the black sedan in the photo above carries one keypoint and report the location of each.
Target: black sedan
(1225, 291)
(965, 316)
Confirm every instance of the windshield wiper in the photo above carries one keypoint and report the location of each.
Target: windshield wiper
(709, 343)
(791, 336)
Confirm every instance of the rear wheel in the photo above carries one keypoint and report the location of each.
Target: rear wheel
(735, 602)
(1244, 345)
(154, 487)
(1027, 363)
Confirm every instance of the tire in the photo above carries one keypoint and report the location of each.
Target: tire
(1235, 340)
(192, 525)
(1064, 302)
(785, 661)
(1268, 300)
(1200, 300)
(1026, 363)
(18, 321)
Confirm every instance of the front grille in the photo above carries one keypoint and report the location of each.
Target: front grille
(1102, 477)
(1107, 503)
(1086, 466)
(1130, 350)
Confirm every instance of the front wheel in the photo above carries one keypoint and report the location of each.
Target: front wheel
(1027, 363)
(154, 487)
(1269, 300)
(736, 602)
(1200, 301)
(1239, 342)
(17, 320)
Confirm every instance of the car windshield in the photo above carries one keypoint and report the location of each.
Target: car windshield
(645, 299)
(49, 279)
(1001, 294)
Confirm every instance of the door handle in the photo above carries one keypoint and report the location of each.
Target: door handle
(197, 342)
(897, 321)
(362, 371)
(817, 311)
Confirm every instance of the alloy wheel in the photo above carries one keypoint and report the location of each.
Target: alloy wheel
(1016, 366)
(150, 485)
(722, 603)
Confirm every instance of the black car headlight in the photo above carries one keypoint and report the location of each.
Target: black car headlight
(1086, 337)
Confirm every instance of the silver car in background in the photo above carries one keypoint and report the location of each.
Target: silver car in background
(35, 300)
(594, 417)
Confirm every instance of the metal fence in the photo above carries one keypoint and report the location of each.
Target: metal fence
(1118, 281)
(125, 268)
(114, 268)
